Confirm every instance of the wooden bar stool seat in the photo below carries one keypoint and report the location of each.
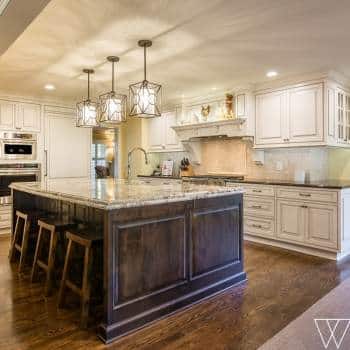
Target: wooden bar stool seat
(23, 228)
(88, 240)
(53, 228)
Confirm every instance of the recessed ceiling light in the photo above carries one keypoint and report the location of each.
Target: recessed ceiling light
(3, 5)
(214, 88)
(271, 74)
(50, 87)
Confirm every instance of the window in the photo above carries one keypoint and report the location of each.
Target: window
(98, 152)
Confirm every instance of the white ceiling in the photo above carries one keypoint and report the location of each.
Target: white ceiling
(15, 17)
(198, 44)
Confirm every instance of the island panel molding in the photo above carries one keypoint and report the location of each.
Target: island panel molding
(148, 249)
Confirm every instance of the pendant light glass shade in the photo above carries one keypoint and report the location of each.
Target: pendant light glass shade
(87, 109)
(145, 97)
(112, 106)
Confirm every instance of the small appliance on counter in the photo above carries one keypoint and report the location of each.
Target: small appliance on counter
(167, 167)
(186, 168)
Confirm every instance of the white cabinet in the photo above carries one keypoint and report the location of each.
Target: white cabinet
(67, 148)
(15, 116)
(290, 117)
(291, 220)
(305, 114)
(7, 115)
(161, 136)
(28, 117)
(270, 118)
(321, 225)
(156, 137)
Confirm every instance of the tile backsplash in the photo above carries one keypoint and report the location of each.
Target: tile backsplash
(234, 156)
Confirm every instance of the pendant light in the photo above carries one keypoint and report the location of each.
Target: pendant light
(145, 97)
(87, 109)
(112, 106)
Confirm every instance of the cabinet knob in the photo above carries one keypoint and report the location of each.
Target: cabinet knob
(286, 140)
(304, 206)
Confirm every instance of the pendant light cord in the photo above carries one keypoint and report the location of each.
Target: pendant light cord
(88, 86)
(112, 76)
(144, 62)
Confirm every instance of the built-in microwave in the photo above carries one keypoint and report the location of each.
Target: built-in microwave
(19, 146)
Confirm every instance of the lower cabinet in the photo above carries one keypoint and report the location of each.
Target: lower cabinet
(322, 225)
(310, 223)
(309, 219)
(291, 220)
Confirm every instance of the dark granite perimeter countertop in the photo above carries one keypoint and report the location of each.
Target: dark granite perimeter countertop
(328, 183)
(331, 184)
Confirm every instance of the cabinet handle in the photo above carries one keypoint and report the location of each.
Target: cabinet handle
(45, 152)
(257, 191)
(256, 207)
(257, 226)
(305, 194)
(304, 206)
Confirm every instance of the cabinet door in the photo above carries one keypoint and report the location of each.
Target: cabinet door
(68, 148)
(28, 117)
(270, 118)
(305, 113)
(322, 225)
(172, 142)
(156, 136)
(7, 115)
(291, 220)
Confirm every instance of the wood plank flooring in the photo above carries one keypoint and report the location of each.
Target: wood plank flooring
(281, 286)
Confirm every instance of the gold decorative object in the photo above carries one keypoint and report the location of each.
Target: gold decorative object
(229, 114)
(205, 111)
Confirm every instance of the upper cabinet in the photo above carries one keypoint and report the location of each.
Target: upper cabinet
(290, 117)
(7, 115)
(161, 136)
(16, 116)
(271, 121)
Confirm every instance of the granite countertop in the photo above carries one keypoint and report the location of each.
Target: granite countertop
(160, 177)
(330, 184)
(327, 183)
(111, 194)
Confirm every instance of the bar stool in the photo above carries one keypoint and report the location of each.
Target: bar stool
(88, 240)
(53, 228)
(23, 227)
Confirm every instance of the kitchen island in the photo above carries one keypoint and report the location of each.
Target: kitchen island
(166, 246)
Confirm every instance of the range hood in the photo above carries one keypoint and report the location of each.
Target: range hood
(229, 128)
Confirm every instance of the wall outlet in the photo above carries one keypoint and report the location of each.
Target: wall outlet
(279, 165)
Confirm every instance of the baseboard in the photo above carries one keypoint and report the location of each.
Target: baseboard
(297, 248)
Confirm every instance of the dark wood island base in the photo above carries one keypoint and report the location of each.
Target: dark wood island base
(158, 258)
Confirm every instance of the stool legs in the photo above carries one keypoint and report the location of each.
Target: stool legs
(86, 290)
(36, 255)
(51, 263)
(25, 240)
(22, 247)
(61, 295)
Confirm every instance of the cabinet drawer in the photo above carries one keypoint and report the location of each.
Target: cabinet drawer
(259, 227)
(259, 206)
(308, 194)
(254, 190)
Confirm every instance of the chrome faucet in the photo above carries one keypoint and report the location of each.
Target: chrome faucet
(129, 158)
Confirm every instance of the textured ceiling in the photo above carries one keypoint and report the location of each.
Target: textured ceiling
(17, 15)
(198, 44)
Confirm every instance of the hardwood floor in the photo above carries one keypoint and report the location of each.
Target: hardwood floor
(281, 285)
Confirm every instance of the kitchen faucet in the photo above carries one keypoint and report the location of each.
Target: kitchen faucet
(129, 158)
